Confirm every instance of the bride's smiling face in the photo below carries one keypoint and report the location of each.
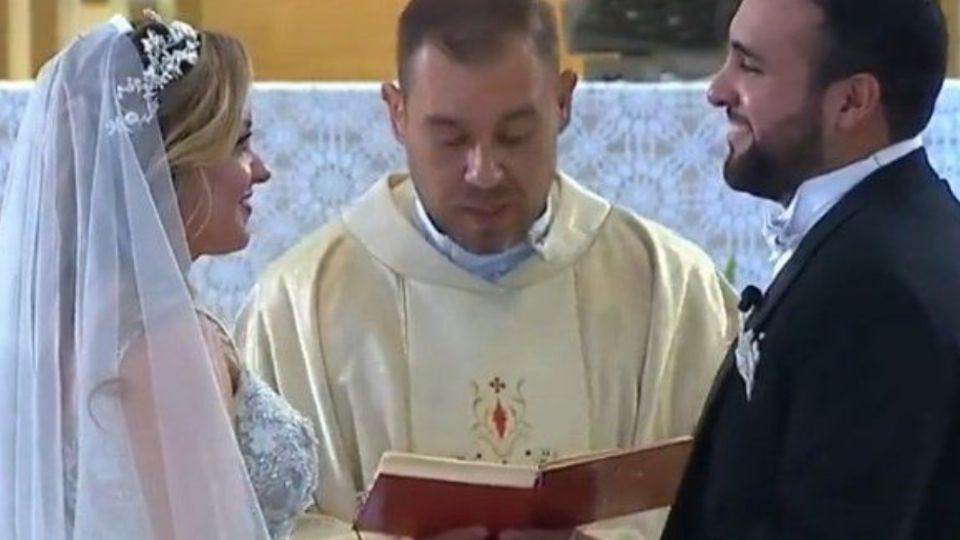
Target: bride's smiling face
(215, 200)
(206, 126)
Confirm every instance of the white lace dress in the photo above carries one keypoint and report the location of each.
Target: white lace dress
(278, 445)
(280, 451)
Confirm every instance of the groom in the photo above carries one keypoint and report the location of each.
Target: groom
(838, 415)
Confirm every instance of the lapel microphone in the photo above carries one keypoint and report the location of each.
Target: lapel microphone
(750, 298)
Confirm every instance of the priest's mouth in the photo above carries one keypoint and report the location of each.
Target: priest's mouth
(490, 212)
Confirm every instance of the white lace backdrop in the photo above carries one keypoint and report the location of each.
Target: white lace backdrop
(655, 148)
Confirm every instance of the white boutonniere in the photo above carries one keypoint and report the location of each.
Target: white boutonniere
(748, 356)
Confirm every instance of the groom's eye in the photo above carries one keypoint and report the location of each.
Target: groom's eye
(747, 63)
(750, 68)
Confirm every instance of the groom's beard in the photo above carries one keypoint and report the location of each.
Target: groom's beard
(765, 172)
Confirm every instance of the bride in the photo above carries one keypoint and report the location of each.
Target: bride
(123, 412)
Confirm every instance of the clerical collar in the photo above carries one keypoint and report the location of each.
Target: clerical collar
(815, 197)
(490, 267)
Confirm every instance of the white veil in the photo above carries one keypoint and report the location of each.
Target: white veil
(92, 263)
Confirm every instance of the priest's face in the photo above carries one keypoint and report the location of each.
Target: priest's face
(481, 139)
(765, 86)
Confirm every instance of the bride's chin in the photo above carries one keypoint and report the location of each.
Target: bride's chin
(235, 240)
(243, 239)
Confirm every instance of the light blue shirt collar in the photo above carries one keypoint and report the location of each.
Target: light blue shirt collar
(490, 267)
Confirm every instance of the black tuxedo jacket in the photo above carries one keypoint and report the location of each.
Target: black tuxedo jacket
(852, 430)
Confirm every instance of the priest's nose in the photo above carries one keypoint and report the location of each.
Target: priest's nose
(482, 169)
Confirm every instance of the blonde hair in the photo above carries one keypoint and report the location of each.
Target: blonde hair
(201, 114)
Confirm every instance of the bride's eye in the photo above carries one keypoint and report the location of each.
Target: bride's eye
(243, 143)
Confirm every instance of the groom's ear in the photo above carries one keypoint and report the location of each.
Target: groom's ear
(392, 96)
(854, 102)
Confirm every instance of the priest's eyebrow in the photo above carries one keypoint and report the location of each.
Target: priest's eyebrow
(442, 120)
(522, 112)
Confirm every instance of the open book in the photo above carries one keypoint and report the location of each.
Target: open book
(416, 496)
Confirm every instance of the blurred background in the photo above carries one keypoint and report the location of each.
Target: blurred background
(327, 40)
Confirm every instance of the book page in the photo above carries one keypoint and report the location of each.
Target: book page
(454, 470)
(607, 454)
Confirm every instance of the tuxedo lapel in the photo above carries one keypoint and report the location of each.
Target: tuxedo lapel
(913, 167)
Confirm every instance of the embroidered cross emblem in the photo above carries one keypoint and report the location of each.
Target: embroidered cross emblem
(499, 412)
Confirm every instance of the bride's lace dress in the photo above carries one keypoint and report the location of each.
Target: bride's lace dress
(279, 448)
(278, 445)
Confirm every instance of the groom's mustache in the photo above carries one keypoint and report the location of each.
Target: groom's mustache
(736, 118)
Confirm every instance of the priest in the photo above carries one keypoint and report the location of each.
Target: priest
(485, 306)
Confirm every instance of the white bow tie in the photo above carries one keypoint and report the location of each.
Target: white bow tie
(776, 232)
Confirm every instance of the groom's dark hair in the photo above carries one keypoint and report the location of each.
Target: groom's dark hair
(903, 43)
(475, 31)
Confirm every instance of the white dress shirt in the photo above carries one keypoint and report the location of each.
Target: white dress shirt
(816, 196)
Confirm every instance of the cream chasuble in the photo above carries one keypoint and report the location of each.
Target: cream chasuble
(609, 336)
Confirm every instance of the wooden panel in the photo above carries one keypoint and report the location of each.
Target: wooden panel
(567, 60)
(18, 40)
(44, 32)
(190, 11)
(307, 39)
(288, 39)
(78, 16)
(310, 39)
(5, 39)
(951, 10)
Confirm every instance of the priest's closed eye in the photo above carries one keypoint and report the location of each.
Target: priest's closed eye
(449, 136)
(515, 138)
(454, 141)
